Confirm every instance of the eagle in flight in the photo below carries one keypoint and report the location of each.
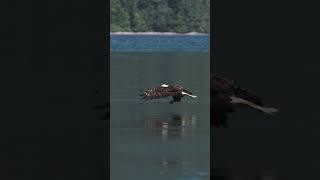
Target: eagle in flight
(226, 96)
(176, 91)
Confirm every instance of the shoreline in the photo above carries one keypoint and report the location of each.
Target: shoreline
(157, 33)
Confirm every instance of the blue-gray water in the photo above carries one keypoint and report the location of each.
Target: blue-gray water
(160, 43)
(153, 139)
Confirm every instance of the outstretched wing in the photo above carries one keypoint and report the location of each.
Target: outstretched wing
(159, 92)
(221, 85)
(230, 88)
(226, 96)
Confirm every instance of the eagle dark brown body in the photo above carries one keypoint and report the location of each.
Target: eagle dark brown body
(177, 92)
(226, 96)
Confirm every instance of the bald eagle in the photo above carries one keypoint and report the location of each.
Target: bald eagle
(226, 96)
(176, 91)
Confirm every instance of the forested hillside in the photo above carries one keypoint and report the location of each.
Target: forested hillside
(160, 16)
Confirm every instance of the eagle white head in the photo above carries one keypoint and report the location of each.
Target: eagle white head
(164, 85)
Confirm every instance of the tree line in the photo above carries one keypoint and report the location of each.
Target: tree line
(180, 16)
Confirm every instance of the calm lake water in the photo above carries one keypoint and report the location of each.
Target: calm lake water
(153, 139)
(194, 43)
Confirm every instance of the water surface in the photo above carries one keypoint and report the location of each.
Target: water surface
(153, 139)
(161, 43)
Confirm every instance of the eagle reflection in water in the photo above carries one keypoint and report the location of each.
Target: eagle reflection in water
(176, 125)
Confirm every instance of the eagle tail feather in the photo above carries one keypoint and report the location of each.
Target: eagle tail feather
(267, 110)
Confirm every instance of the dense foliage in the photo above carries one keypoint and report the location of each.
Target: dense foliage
(160, 16)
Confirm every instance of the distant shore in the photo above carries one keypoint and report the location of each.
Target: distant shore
(156, 33)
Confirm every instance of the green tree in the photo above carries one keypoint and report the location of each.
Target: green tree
(119, 17)
(160, 15)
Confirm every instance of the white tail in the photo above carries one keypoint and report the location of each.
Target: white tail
(184, 93)
(267, 110)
